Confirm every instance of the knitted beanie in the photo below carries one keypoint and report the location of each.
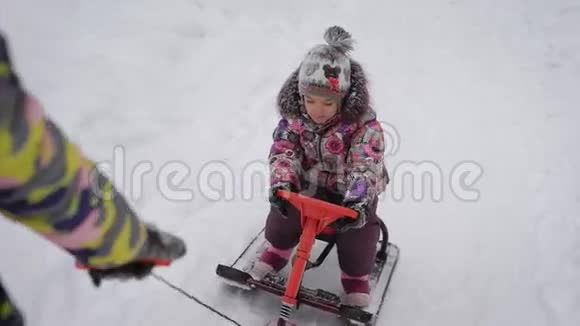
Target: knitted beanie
(325, 70)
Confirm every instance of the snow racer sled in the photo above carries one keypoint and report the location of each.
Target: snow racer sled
(316, 216)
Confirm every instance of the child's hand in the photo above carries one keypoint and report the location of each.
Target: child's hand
(345, 224)
(278, 202)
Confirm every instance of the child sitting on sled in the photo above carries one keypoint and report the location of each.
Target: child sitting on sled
(328, 145)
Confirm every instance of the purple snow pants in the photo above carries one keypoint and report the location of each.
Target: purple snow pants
(356, 248)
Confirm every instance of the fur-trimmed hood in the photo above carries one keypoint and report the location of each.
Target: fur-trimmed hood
(354, 105)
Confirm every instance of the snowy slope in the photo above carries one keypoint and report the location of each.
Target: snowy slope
(194, 82)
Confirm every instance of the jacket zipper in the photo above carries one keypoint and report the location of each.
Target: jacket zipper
(320, 149)
(321, 161)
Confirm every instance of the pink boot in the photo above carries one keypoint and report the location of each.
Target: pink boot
(271, 261)
(357, 290)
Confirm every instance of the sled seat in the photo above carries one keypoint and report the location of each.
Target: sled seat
(328, 235)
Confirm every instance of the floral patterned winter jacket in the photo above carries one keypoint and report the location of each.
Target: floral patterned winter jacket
(344, 156)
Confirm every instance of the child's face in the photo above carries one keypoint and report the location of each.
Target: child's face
(320, 108)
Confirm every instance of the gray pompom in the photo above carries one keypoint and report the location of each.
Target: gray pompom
(339, 39)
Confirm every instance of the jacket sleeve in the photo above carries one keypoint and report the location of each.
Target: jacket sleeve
(9, 314)
(365, 164)
(286, 154)
(49, 186)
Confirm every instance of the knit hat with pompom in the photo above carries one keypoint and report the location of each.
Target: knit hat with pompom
(325, 70)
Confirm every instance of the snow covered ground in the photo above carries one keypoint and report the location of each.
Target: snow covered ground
(193, 82)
